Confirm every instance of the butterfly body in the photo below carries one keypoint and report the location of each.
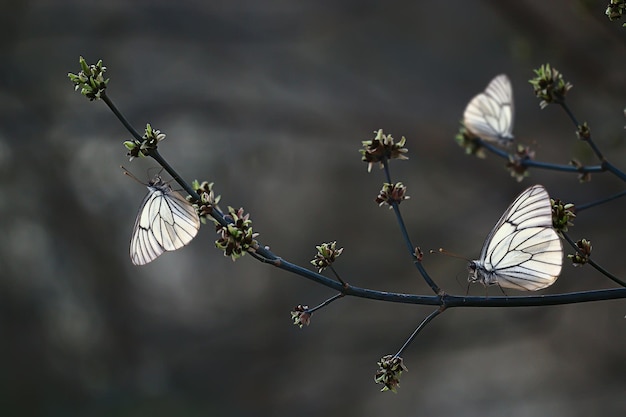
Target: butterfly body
(165, 222)
(489, 115)
(523, 251)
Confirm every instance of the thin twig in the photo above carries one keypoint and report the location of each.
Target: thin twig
(121, 117)
(325, 303)
(589, 141)
(337, 275)
(583, 207)
(593, 263)
(407, 239)
(419, 329)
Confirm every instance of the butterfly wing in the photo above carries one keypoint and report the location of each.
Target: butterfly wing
(165, 222)
(489, 115)
(523, 251)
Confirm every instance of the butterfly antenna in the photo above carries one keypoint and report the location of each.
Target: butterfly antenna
(442, 251)
(129, 174)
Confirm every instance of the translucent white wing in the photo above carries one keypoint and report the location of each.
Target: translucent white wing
(523, 251)
(165, 222)
(489, 115)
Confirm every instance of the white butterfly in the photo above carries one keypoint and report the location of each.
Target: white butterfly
(523, 251)
(489, 115)
(165, 222)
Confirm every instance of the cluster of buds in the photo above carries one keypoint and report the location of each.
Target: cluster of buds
(468, 141)
(90, 80)
(326, 255)
(148, 143)
(208, 199)
(616, 9)
(549, 85)
(381, 149)
(391, 193)
(301, 315)
(583, 132)
(581, 257)
(563, 215)
(237, 237)
(516, 165)
(390, 369)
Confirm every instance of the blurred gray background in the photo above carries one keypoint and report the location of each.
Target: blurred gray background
(271, 100)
